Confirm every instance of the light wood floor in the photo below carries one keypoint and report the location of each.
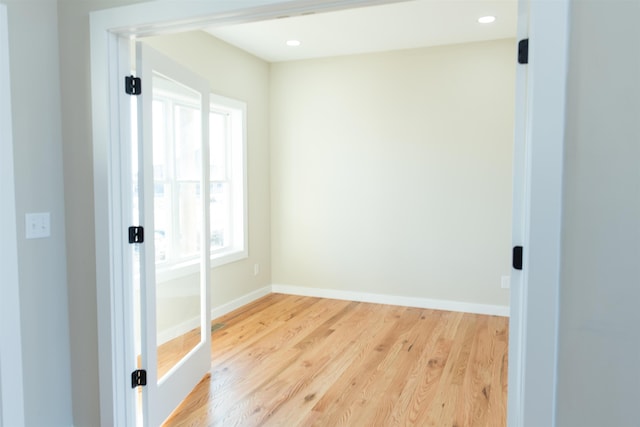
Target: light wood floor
(298, 361)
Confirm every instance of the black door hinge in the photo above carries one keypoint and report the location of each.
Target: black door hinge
(136, 234)
(523, 51)
(138, 378)
(517, 257)
(132, 85)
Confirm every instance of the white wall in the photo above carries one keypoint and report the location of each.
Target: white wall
(599, 350)
(35, 85)
(391, 172)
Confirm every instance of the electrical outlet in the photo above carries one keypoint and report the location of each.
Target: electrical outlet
(256, 269)
(505, 282)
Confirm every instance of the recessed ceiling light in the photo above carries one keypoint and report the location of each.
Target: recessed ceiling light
(293, 43)
(486, 19)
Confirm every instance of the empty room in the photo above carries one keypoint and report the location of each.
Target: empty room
(322, 305)
(359, 218)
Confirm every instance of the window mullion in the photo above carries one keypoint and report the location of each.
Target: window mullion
(228, 143)
(172, 177)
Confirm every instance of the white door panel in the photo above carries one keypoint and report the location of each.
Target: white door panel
(173, 113)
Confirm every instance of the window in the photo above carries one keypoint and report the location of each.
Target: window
(176, 174)
(177, 159)
(227, 142)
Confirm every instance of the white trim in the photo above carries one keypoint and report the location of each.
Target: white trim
(166, 273)
(236, 151)
(11, 385)
(239, 302)
(434, 304)
(546, 101)
(517, 295)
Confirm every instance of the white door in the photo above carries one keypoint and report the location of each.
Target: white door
(173, 196)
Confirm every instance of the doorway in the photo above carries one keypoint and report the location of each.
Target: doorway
(101, 95)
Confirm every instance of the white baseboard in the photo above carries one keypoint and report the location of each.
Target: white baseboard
(239, 302)
(435, 304)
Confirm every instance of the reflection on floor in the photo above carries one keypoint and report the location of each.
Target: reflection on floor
(175, 350)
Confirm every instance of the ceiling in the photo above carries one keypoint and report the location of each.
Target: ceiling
(403, 25)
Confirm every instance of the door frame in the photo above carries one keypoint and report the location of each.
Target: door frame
(533, 355)
(11, 386)
(537, 221)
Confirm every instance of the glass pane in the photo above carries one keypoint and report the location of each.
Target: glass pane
(160, 131)
(162, 221)
(188, 143)
(189, 207)
(178, 220)
(220, 216)
(177, 300)
(217, 146)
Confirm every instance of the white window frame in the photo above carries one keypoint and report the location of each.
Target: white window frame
(237, 178)
(174, 262)
(236, 161)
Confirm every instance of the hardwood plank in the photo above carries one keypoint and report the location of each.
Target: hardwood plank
(352, 352)
(273, 356)
(426, 371)
(400, 373)
(353, 391)
(312, 361)
(298, 361)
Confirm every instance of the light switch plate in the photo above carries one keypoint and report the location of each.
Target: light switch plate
(38, 225)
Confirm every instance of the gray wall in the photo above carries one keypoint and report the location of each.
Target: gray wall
(35, 86)
(598, 372)
(73, 18)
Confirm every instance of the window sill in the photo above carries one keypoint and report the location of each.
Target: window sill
(187, 268)
(227, 257)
